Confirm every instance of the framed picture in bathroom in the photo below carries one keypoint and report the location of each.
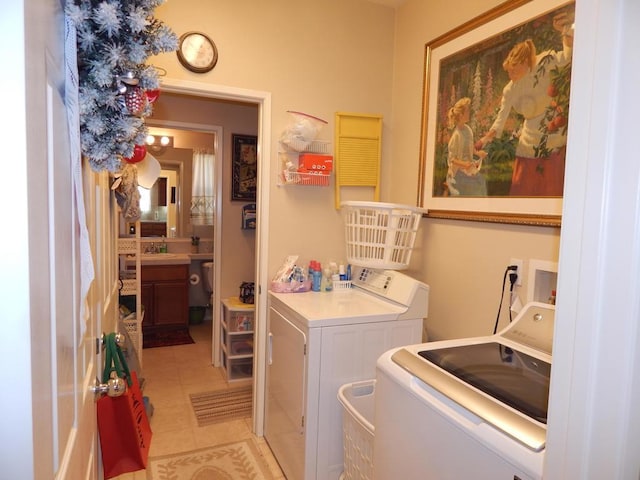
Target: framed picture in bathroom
(244, 158)
(495, 115)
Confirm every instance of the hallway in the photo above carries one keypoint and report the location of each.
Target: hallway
(172, 374)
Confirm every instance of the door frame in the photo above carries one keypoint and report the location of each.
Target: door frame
(263, 100)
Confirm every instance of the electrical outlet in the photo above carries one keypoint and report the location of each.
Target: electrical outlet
(518, 263)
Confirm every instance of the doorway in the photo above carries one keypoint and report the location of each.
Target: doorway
(192, 170)
(263, 102)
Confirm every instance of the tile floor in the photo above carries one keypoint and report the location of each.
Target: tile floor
(172, 373)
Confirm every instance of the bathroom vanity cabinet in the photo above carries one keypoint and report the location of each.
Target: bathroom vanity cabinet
(165, 296)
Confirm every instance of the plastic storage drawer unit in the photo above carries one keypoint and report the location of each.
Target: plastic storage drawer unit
(236, 339)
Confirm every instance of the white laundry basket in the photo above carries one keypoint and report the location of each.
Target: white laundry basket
(380, 235)
(358, 430)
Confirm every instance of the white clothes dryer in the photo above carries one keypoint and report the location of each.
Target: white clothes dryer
(319, 341)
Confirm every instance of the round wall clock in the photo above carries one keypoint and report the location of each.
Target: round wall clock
(197, 52)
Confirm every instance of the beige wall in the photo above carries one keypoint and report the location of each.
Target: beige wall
(352, 55)
(315, 57)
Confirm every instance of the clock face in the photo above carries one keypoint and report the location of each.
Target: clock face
(197, 52)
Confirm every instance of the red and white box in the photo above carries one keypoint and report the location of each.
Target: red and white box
(315, 163)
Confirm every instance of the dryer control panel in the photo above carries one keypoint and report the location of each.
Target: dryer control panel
(395, 286)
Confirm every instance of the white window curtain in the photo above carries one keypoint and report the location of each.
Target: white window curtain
(202, 201)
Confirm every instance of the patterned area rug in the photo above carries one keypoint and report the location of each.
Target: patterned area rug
(233, 461)
(222, 405)
(166, 338)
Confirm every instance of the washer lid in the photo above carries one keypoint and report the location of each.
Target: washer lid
(512, 377)
(527, 430)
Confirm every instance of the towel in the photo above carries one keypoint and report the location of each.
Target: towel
(71, 87)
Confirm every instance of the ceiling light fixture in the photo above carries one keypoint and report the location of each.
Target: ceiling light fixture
(159, 140)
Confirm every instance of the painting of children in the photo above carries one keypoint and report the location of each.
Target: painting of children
(517, 86)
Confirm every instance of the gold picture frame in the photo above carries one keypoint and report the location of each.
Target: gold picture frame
(469, 64)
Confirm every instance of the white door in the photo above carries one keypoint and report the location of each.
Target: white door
(285, 394)
(53, 357)
(68, 353)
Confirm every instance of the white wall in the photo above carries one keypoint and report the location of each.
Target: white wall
(16, 430)
(594, 421)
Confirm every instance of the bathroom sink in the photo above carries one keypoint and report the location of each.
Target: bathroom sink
(164, 258)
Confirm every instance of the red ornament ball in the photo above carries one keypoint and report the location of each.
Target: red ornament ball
(139, 152)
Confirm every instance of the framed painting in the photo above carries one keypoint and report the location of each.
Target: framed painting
(494, 116)
(244, 177)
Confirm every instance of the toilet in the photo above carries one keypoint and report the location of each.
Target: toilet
(207, 275)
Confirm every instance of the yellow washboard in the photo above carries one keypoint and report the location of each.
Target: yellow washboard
(357, 152)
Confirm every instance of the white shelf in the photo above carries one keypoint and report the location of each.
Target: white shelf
(290, 172)
(129, 246)
(308, 179)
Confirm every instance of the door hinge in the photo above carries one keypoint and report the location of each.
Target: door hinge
(302, 421)
(304, 349)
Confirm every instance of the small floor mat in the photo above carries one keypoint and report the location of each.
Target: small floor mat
(222, 405)
(166, 338)
(233, 461)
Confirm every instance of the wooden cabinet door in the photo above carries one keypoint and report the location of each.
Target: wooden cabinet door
(171, 303)
(165, 295)
(147, 302)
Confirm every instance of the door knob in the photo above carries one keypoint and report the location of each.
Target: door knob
(120, 339)
(115, 387)
(101, 342)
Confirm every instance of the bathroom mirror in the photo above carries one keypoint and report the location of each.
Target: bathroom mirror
(171, 207)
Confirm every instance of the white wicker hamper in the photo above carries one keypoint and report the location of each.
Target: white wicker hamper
(358, 431)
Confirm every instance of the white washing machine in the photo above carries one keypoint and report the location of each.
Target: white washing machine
(467, 408)
(319, 341)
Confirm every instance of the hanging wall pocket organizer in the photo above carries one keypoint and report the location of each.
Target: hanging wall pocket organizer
(249, 217)
(311, 167)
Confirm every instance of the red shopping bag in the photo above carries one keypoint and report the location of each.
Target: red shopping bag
(123, 426)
